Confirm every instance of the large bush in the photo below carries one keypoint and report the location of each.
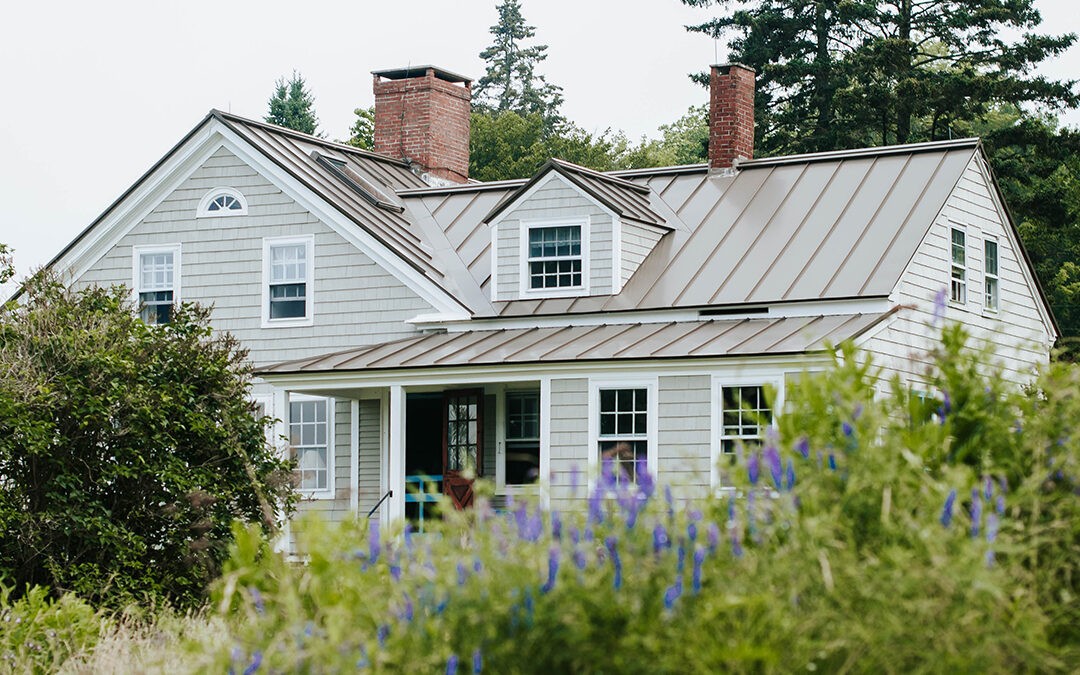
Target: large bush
(904, 533)
(126, 450)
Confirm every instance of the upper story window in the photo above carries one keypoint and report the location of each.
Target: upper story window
(958, 284)
(156, 281)
(288, 291)
(553, 261)
(222, 201)
(991, 282)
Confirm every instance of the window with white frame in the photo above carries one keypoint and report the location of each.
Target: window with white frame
(222, 201)
(157, 276)
(623, 428)
(309, 437)
(288, 297)
(745, 411)
(958, 285)
(991, 282)
(554, 260)
(522, 463)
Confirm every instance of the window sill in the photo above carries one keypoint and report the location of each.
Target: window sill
(288, 323)
(564, 292)
(315, 495)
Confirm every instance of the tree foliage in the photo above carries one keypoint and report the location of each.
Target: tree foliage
(362, 132)
(292, 105)
(126, 449)
(511, 82)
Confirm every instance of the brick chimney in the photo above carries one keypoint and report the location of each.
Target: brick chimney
(422, 115)
(731, 114)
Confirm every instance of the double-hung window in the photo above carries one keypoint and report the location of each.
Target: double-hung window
(288, 296)
(958, 282)
(157, 277)
(624, 428)
(745, 411)
(554, 260)
(309, 437)
(992, 291)
(522, 437)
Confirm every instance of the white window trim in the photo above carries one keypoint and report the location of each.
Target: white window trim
(309, 308)
(775, 380)
(987, 308)
(500, 391)
(524, 226)
(331, 455)
(204, 204)
(136, 270)
(652, 386)
(959, 227)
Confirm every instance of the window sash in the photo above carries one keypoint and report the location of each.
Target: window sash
(308, 435)
(623, 436)
(156, 271)
(744, 410)
(554, 257)
(288, 263)
(958, 275)
(992, 286)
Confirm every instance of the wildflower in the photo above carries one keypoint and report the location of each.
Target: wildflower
(939, 305)
(408, 532)
(682, 559)
(607, 475)
(382, 633)
(575, 479)
(407, 608)
(947, 511)
(596, 510)
(832, 462)
(672, 594)
(945, 408)
(976, 511)
(373, 542)
(553, 570)
(847, 429)
(753, 469)
(1000, 506)
(461, 574)
(857, 412)
(395, 572)
(556, 525)
(1004, 483)
(731, 509)
(992, 524)
(694, 515)
(789, 476)
(477, 662)
(670, 502)
(988, 488)
(699, 559)
(713, 537)
(736, 545)
(575, 535)
(659, 538)
(803, 447)
(257, 599)
(579, 559)
(772, 459)
(256, 661)
(477, 565)
(451, 665)
(612, 547)
(691, 531)
(645, 482)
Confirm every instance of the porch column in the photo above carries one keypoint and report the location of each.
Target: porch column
(545, 441)
(395, 506)
(354, 456)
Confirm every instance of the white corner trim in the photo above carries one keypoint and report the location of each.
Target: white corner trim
(616, 255)
(354, 455)
(203, 211)
(545, 441)
(309, 305)
(136, 268)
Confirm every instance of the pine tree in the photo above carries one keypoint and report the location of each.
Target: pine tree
(511, 82)
(362, 132)
(292, 105)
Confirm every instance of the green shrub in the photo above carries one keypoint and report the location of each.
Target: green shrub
(39, 633)
(899, 533)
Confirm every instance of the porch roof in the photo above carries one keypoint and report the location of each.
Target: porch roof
(609, 342)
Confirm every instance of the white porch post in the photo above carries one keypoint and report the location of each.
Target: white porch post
(545, 441)
(395, 506)
(280, 412)
(354, 456)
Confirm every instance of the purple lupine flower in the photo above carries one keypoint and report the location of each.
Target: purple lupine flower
(691, 531)
(847, 429)
(699, 558)
(713, 537)
(776, 469)
(803, 447)
(477, 566)
(451, 665)
(832, 462)
(672, 594)
(857, 412)
(553, 569)
(579, 559)
(789, 476)
(753, 468)
(947, 511)
(556, 525)
(1004, 483)
(1000, 506)
(976, 511)
(477, 662)
(408, 534)
(575, 480)
(659, 538)
(596, 506)
(736, 545)
(612, 545)
(575, 535)
(588, 533)
(681, 560)
(646, 484)
(992, 524)
(407, 608)
(939, 305)
(382, 633)
(521, 519)
(363, 662)
(632, 510)
(988, 488)
(731, 509)
(257, 599)
(395, 572)
(527, 603)
(670, 502)
(256, 661)
(989, 557)
(462, 574)
(608, 479)
(695, 515)
(441, 607)
(945, 408)
(373, 542)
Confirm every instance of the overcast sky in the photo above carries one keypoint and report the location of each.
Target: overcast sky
(96, 92)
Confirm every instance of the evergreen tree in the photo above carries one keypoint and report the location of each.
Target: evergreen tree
(291, 105)
(362, 132)
(511, 82)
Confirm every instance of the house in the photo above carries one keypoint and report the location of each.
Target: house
(405, 321)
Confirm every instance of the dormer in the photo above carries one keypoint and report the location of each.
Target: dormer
(570, 232)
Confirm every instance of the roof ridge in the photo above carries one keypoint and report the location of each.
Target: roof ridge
(600, 175)
(855, 153)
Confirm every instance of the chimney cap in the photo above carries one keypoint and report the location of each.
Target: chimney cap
(418, 71)
(725, 67)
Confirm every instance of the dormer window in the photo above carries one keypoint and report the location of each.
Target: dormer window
(553, 263)
(222, 202)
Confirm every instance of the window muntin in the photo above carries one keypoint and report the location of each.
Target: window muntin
(156, 278)
(623, 428)
(992, 284)
(308, 434)
(288, 281)
(958, 281)
(522, 463)
(554, 257)
(222, 201)
(745, 412)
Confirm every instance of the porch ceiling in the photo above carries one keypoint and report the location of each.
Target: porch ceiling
(611, 342)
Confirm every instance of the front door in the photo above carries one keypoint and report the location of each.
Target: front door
(463, 446)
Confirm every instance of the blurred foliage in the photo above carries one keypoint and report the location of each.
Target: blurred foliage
(39, 633)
